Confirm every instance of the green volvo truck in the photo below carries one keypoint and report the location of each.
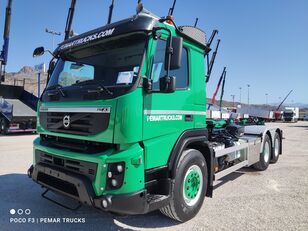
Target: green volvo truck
(122, 122)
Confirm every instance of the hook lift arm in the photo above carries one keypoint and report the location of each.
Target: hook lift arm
(110, 12)
(210, 63)
(222, 90)
(218, 85)
(170, 13)
(283, 100)
(69, 20)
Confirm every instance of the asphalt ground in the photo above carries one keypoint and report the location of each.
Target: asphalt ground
(276, 199)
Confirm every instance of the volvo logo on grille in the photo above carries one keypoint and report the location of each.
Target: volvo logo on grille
(66, 121)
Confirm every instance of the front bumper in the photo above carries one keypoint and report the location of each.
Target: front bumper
(95, 166)
(79, 188)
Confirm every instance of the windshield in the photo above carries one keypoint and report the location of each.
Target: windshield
(68, 73)
(113, 64)
(288, 113)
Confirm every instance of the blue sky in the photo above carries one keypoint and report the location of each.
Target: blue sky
(264, 42)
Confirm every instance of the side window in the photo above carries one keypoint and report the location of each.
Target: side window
(159, 71)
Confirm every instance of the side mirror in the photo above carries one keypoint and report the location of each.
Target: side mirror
(147, 84)
(38, 51)
(2, 78)
(167, 84)
(174, 53)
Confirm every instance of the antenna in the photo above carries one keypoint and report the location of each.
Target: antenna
(139, 7)
(69, 20)
(196, 22)
(110, 12)
(210, 64)
(170, 13)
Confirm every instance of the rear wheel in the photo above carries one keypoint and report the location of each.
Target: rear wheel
(189, 187)
(276, 148)
(3, 126)
(265, 155)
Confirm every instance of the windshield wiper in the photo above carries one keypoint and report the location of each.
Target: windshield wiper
(57, 87)
(100, 88)
(86, 82)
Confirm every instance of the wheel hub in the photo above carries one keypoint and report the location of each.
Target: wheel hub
(192, 185)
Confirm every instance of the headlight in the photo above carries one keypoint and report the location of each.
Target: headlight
(115, 175)
(120, 168)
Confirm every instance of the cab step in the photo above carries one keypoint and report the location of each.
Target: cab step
(156, 201)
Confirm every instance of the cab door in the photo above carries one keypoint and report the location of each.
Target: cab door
(167, 113)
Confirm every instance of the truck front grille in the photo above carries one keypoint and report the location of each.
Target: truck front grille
(85, 168)
(75, 145)
(76, 123)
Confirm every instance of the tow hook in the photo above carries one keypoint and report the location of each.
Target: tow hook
(30, 171)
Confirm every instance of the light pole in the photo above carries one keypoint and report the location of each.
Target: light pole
(248, 86)
(240, 95)
(53, 33)
(233, 96)
(266, 96)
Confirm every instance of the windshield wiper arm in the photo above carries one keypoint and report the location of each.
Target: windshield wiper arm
(86, 82)
(100, 88)
(57, 87)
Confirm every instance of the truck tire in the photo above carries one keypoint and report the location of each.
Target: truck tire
(190, 185)
(276, 148)
(265, 155)
(3, 126)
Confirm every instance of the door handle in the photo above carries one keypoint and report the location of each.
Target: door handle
(189, 117)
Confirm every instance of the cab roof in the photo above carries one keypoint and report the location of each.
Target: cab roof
(141, 22)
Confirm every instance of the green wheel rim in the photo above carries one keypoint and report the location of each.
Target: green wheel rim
(192, 185)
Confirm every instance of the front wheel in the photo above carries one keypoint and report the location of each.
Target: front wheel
(265, 155)
(190, 185)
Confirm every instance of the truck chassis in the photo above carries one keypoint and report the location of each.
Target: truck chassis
(130, 140)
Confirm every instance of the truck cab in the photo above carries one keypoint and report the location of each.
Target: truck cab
(290, 114)
(108, 106)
